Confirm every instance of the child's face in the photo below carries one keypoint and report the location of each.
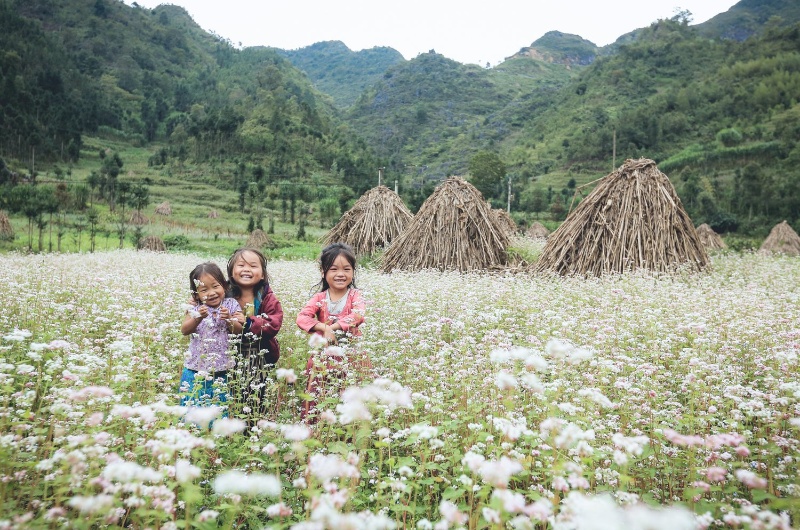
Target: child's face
(247, 270)
(209, 291)
(340, 275)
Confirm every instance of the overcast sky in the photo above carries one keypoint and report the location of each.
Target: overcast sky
(458, 30)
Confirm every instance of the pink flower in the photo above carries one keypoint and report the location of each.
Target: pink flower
(716, 474)
(751, 480)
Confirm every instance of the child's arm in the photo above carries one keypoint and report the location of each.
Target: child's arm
(193, 318)
(353, 317)
(308, 318)
(270, 318)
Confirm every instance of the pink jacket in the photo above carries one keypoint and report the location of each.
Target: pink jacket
(316, 310)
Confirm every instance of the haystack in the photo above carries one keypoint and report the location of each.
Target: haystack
(710, 239)
(259, 239)
(506, 221)
(153, 243)
(138, 218)
(782, 239)
(6, 230)
(377, 217)
(454, 230)
(537, 231)
(633, 219)
(213, 214)
(164, 208)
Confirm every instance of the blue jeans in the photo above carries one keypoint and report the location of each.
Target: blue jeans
(203, 393)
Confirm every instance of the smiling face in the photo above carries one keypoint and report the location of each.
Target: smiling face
(247, 270)
(339, 275)
(209, 291)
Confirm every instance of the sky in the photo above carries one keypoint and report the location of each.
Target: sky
(468, 32)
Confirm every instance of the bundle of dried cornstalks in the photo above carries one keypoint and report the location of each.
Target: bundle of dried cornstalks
(6, 230)
(138, 218)
(152, 243)
(259, 239)
(710, 239)
(537, 231)
(454, 230)
(164, 208)
(782, 239)
(632, 219)
(372, 223)
(505, 220)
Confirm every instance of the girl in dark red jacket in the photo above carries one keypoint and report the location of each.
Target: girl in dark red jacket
(334, 313)
(261, 319)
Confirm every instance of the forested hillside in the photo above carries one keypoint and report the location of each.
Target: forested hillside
(303, 133)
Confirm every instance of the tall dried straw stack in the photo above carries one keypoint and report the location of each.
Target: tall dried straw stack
(164, 208)
(633, 219)
(710, 239)
(373, 222)
(782, 239)
(138, 218)
(454, 230)
(259, 239)
(6, 230)
(506, 221)
(537, 231)
(152, 243)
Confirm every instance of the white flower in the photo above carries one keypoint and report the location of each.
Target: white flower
(505, 381)
(202, 416)
(256, 484)
(499, 472)
(295, 432)
(316, 341)
(287, 374)
(228, 426)
(185, 471)
(93, 504)
(18, 335)
(123, 471)
(327, 467)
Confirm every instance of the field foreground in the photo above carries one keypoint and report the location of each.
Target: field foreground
(497, 401)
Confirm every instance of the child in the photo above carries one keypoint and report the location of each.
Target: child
(262, 319)
(336, 311)
(209, 322)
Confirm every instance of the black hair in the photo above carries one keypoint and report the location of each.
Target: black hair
(213, 270)
(235, 290)
(329, 255)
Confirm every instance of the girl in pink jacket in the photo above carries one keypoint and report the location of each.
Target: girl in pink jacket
(334, 313)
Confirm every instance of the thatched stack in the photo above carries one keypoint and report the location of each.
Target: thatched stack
(710, 239)
(164, 208)
(138, 218)
(377, 217)
(152, 243)
(213, 214)
(505, 220)
(259, 239)
(633, 219)
(782, 239)
(538, 231)
(454, 230)
(6, 230)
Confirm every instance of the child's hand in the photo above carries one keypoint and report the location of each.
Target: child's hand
(239, 317)
(329, 334)
(203, 310)
(225, 313)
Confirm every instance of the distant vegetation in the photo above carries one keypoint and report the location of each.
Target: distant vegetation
(296, 136)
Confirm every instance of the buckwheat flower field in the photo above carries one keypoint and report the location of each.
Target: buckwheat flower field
(495, 401)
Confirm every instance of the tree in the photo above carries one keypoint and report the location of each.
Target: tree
(486, 173)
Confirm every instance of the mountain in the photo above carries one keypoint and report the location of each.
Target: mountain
(561, 48)
(340, 72)
(751, 17)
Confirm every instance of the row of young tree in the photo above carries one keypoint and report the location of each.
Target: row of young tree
(55, 207)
